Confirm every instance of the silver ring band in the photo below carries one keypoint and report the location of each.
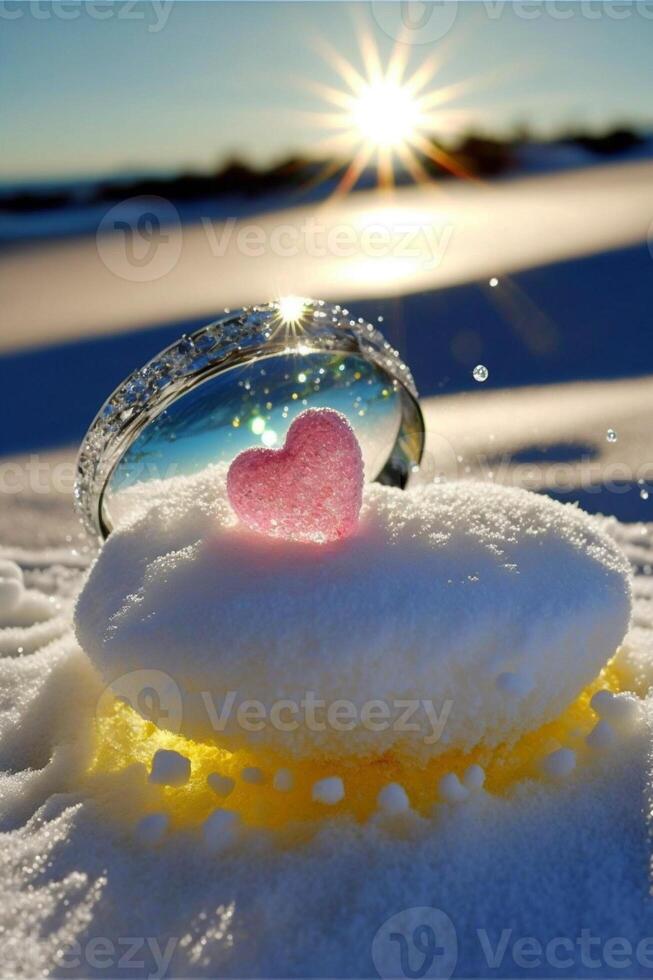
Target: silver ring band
(234, 340)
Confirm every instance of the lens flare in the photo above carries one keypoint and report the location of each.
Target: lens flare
(291, 309)
(383, 115)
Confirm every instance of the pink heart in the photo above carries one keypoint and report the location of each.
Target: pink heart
(311, 490)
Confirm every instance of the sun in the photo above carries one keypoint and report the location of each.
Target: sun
(384, 116)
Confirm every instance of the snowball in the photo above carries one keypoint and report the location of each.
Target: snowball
(11, 592)
(451, 789)
(474, 778)
(220, 829)
(221, 785)
(393, 799)
(559, 764)
(620, 710)
(11, 586)
(441, 590)
(152, 829)
(9, 569)
(601, 737)
(330, 790)
(170, 768)
(283, 780)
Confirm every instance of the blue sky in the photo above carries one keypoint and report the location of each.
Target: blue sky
(160, 86)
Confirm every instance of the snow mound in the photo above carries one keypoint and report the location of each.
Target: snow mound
(487, 609)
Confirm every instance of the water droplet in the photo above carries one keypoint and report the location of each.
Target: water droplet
(494, 281)
(480, 373)
(643, 494)
(611, 435)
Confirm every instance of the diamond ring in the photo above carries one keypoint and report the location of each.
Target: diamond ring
(240, 381)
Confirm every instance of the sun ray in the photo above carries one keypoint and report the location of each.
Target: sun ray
(447, 93)
(385, 168)
(325, 173)
(347, 72)
(412, 165)
(441, 157)
(335, 96)
(325, 120)
(354, 170)
(371, 58)
(424, 74)
(397, 64)
(343, 142)
(387, 116)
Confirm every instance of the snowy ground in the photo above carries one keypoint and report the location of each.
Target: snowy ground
(549, 862)
(366, 246)
(568, 863)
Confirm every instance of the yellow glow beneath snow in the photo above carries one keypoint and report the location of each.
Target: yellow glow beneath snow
(126, 743)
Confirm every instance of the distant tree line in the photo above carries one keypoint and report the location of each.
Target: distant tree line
(476, 155)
